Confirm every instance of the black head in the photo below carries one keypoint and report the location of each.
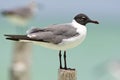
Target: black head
(84, 19)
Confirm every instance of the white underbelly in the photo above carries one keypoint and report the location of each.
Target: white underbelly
(66, 43)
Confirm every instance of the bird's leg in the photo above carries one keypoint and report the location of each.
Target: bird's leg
(65, 61)
(60, 59)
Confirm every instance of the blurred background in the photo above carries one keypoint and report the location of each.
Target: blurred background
(97, 58)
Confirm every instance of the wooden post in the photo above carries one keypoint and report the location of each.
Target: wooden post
(20, 67)
(69, 74)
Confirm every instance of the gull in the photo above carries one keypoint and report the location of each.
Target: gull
(59, 37)
(21, 15)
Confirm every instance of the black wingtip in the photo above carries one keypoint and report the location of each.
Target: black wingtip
(16, 37)
(6, 35)
(12, 39)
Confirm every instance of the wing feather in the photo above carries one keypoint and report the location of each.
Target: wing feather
(53, 34)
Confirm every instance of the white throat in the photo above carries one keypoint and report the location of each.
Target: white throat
(80, 28)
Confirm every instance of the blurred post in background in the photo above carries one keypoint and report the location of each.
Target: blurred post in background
(21, 60)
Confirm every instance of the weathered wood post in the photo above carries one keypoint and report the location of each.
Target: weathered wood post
(21, 61)
(69, 74)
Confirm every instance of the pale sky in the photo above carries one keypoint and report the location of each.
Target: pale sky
(70, 6)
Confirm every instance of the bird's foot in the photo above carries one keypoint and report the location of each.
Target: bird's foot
(67, 68)
(71, 69)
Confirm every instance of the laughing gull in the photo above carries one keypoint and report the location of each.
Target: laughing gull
(21, 15)
(59, 36)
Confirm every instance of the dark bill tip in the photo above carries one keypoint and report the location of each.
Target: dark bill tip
(96, 22)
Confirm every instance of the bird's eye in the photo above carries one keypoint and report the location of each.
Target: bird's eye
(83, 18)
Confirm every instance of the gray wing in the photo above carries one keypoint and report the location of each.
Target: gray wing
(53, 34)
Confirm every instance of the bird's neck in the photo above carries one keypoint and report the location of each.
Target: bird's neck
(78, 26)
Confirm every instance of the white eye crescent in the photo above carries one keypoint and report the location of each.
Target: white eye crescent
(83, 17)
